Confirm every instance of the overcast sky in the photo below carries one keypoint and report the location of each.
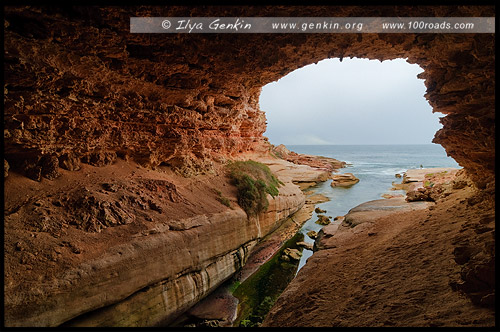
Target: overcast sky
(356, 101)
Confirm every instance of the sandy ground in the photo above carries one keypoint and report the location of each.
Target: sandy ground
(395, 271)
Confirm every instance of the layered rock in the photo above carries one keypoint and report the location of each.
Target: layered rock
(319, 162)
(419, 174)
(343, 180)
(133, 253)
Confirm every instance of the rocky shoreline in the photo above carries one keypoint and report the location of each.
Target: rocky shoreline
(400, 261)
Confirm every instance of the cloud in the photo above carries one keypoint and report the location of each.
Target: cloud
(358, 101)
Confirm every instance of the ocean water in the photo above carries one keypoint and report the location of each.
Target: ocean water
(375, 166)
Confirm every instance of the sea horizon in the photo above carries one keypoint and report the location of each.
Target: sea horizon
(357, 144)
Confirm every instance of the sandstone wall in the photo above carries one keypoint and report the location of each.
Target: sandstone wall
(151, 279)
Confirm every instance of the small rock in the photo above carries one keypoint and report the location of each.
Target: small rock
(293, 254)
(305, 245)
(323, 220)
(398, 175)
(339, 218)
(318, 210)
(19, 246)
(285, 258)
(110, 187)
(312, 234)
(372, 234)
(76, 250)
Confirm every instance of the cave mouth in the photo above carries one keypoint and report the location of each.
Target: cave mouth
(351, 102)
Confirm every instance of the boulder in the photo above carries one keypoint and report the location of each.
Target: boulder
(50, 167)
(344, 180)
(281, 151)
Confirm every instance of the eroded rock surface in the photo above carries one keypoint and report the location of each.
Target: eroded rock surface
(77, 82)
(82, 92)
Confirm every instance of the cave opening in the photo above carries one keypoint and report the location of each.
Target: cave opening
(351, 102)
(167, 100)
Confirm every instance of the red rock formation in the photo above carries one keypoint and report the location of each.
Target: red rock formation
(324, 163)
(79, 88)
(79, 84)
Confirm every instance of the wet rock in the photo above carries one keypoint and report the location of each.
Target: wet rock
(305, 245)
(290, 254)
(312, 234)
(318, 210)
(323, 220)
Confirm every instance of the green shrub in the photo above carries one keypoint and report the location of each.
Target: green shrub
(253, 181)
(222, 199)
(247, 323)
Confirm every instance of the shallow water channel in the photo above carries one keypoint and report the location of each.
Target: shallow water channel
(260, 291)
